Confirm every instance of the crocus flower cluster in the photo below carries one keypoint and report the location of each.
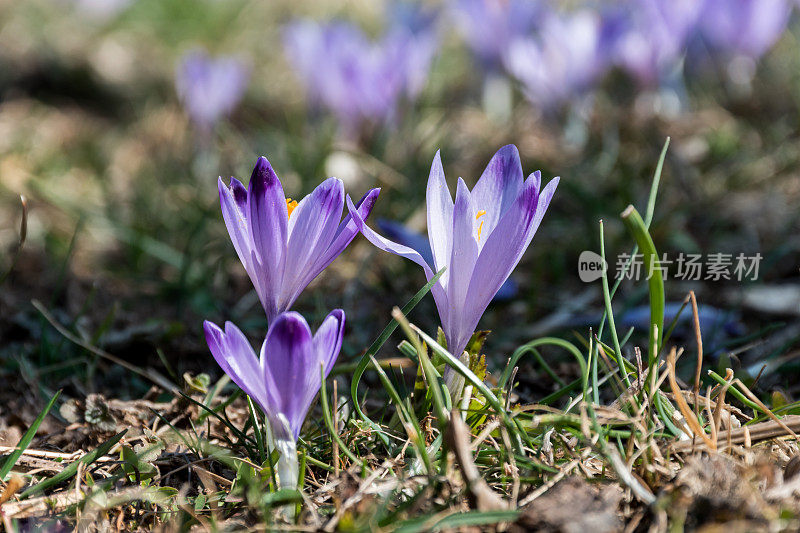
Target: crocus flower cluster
(480, 237)
(359, 80)
(477, 239)
(209, 87)
(284, 244)
(559, 54)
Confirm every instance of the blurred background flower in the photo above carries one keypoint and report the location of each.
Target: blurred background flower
(210, 87)
(647, 38)
(489, 26)
(362, 81)
(560, 62)
(746, 27)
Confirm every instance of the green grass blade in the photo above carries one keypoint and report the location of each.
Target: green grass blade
(609, 311)
(326, 414)
(26, 439)
(408, 415)
(651, 203)
(456, 520)
(434, 382)
(651, 200)
(529, 347)
(257, 431)
(72, 469)
(376, 345)
(633, 221)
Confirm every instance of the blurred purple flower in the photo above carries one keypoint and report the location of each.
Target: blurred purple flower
(102, 9)
(286, 377)
(284, 244)
(744, 27)
(489, 26)
(648, 38)
(480, 238)
(561, 61)
(284, 380)
(210, 88)
(361, 81)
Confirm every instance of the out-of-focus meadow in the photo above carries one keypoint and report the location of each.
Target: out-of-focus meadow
(118, 116)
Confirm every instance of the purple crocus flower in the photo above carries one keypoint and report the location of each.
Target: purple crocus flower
(648, 38)
(210, 88)
(744, 27)
(480, 238)
(284, 244)
(489, 26)
(285, 378)
(361, 81)
(561, 61)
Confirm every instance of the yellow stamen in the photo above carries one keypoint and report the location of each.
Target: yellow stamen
(290, 205)
(480, 227)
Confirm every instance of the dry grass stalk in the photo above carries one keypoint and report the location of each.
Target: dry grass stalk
(748, 435)
(687, 413)
(458, 439)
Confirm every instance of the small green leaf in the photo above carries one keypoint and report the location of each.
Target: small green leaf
(475, 344)
(198, 383)
(199, 502)
(135, 466)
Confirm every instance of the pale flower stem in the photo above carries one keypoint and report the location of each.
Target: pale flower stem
(282, 439)
(455, 381)
(288, 467)
(465, 400)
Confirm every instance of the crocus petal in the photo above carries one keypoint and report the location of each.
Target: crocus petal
(407, 237)
(268, 229)
(461, 264)
(503, 250)
(312, 227)
(404, 235)
(344, 235)
(439, 294)
(328, 339)
(498, 187)
(293, 367)
(542, 203)
(235, 356)
(440, 216)
(233, 201)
